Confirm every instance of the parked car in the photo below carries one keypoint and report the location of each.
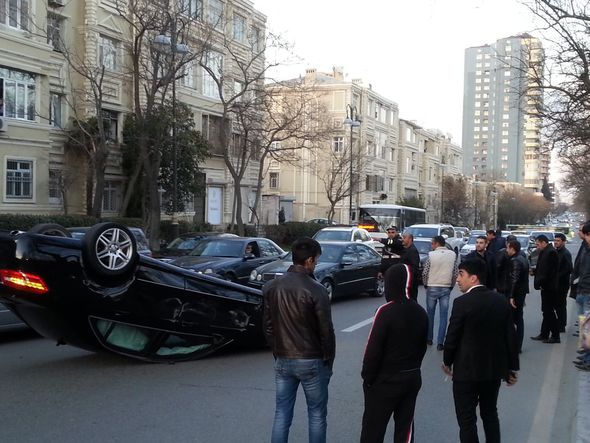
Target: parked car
(346, 233)
(143, 246)
(185, 243)
(99, 293)
(464, 231)
(321, 221)
(8, 319)
(432, 230)
(344, 268)
(230, 258)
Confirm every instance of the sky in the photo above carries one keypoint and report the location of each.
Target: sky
(411, 51)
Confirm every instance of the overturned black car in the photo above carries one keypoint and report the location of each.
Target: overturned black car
(98, 292)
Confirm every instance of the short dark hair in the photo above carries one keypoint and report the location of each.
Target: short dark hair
(542, 237)
(561, 236)
(439, 239)
(586, 228)
(491, 231)
(475, 267)
(510, 237)
(514, 244)
(304, 248)
(482, 237)
(392, 228)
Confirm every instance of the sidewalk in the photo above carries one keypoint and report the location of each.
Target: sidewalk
(583, 413)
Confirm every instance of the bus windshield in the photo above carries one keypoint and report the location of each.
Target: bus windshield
(375, 218)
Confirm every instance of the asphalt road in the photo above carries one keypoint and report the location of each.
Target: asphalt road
(63, 394)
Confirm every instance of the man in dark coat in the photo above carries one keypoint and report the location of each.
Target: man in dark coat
(495, 243)
(517, 286)
(392, 252)
(502, 269)
(546, 282)
(393, 356)
(480, 253)
(411, 258)
(564, 271)
(480, 351)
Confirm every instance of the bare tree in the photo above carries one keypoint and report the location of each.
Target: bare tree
(454, 197)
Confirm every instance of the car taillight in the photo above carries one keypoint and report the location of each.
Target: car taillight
(23, 281)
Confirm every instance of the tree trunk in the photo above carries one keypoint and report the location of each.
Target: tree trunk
(99, 168)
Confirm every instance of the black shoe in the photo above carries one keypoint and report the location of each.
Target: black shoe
(576, 334)
(440, 347)
(552, 340)
(578, 361)
(581, 351)
(539, 338)
(429, 342)
(583, 366)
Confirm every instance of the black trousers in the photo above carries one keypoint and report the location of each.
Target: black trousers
(467, 395)
(518, 319)
(549, 326)
(561, 309)
(395, 396)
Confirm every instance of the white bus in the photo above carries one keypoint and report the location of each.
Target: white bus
(377, 217)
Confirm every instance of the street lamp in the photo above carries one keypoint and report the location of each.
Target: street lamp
(352, 119)
(169, 46)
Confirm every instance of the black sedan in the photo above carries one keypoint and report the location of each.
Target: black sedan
(230, 258)
(185, 243)
(344, 268)
(98, 292)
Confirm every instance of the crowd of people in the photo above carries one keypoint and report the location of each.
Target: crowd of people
(481, 344)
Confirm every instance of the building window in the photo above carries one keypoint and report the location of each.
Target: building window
(55, 115)
(212, 72)
(273, 181)
(255, 39)
(107, 53)
(55, 27)
(110, 198)
(15, 13)
(17, 94)
(110, 120)
(192, 8)
(215, 13)
(188, 74)
(19, 179)
(338, 144)
(55, 186)
(239, 28)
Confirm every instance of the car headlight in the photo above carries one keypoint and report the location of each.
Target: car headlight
(208, 271)
(253, 275)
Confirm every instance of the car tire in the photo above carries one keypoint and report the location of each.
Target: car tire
(109, 250)
(379, 290)
(51, 229)
(329, 285)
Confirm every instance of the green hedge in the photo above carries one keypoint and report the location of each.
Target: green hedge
(287, 233)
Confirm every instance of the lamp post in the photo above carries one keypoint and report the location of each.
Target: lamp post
(352, 119)
(169, 46)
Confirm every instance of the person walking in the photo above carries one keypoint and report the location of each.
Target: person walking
(480, 351)
(564, 270)
(298, 327)
(438, 276)
(480, 253)
(517, 287)
(393, 357)
(546, 282)
(392, 251)
(411, 258)
(581, 279)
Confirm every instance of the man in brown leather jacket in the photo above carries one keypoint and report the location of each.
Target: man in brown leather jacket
(298, 327)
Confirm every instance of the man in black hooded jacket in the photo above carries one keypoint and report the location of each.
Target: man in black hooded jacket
(393, 356)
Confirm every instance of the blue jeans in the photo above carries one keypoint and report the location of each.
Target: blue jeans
(314, 377)
(583, 302)
(436, 294)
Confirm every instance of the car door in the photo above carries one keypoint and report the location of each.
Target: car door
(347, 277)
(369, 262)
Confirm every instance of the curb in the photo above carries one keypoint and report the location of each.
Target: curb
(583, 413)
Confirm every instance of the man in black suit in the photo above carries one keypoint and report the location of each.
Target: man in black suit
(565, 268)
(412, 259)
(517, 286)
(546, 281)
(480, 253)
(480, 351)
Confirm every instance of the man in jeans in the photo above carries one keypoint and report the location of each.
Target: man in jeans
(298, 327)
(439, 275)
(581, 278)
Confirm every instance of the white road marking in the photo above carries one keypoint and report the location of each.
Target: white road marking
(359, 325)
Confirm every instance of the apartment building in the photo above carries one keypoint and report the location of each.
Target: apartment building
(501, 128)
(388, 158)
(41, 93)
